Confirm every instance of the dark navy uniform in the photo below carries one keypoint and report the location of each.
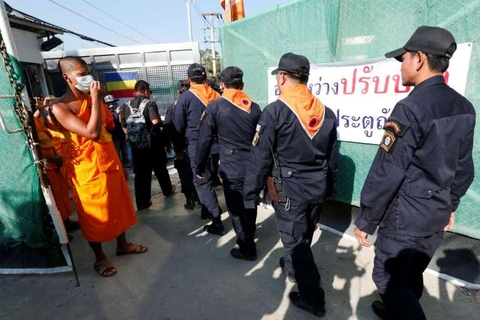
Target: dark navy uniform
(304, 165)
(187, 116)
(235, 128)
(423, 167)
(181, 162)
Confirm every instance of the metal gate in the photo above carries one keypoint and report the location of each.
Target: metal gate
(161, 65)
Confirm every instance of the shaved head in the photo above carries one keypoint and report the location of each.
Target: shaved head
(68, 64)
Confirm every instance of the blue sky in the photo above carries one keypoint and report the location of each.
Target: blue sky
(162, 20)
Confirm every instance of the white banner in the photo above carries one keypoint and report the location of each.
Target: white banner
(362, 94)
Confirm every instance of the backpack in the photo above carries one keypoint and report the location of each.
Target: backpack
(138, 135)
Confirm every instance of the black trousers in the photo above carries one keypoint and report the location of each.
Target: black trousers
(296, 223)
(186, 176)
(400, 261)
(243, 220)
(144, 162)
(206, 191)
(121, 148)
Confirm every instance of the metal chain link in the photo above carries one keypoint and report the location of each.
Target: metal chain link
(15, 82)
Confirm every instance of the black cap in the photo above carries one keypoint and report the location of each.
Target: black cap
(433, 40)
(232, 75)
(293, 63)
(196, 70)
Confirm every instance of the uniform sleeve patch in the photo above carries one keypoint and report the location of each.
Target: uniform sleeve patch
(396, 127)
(388, 141)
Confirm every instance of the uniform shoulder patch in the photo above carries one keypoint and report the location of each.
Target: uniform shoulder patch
(394, 130)
(397, 127)
(388, 141)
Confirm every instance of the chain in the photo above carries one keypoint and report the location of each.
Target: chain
(15, 82)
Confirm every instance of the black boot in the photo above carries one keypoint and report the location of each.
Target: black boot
(216, 227)
(380, 309)
(301, 304)
(242, 255)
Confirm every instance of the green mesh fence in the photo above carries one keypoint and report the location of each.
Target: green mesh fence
(322, 31)
(22, 207)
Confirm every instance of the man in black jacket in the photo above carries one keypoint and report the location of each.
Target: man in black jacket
(295, 145)
(181, 162)
(233, 119)
(423, 167)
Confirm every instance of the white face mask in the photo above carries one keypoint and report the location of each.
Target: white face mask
(84, 83)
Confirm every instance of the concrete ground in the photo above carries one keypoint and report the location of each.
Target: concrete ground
(189, 274)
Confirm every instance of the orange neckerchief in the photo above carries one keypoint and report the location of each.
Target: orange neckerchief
(204, 93)
(238, 98)
(308, 109)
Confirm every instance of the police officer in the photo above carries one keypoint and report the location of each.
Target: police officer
(233, 118)
(296, 137)
(180, 163)
(187, 115)
(422, 169)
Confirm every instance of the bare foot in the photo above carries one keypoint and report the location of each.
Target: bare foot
(105, 268)
(131, 249)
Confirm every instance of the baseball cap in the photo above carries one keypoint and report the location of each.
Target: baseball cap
(293, 63)
(196, 70)
(231, 75)
(433, 40)
(109, 99)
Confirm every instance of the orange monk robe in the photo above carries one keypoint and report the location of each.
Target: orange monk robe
(60, 135)
(55, 177)
(59, 140)
(101, 194)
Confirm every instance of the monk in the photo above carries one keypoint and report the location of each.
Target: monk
(53, 162)
(100, 190)
(56, 173)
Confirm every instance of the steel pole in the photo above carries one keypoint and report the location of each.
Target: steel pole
(212, 39)
(189, 18)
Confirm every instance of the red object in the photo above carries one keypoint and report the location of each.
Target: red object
(128, 93)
